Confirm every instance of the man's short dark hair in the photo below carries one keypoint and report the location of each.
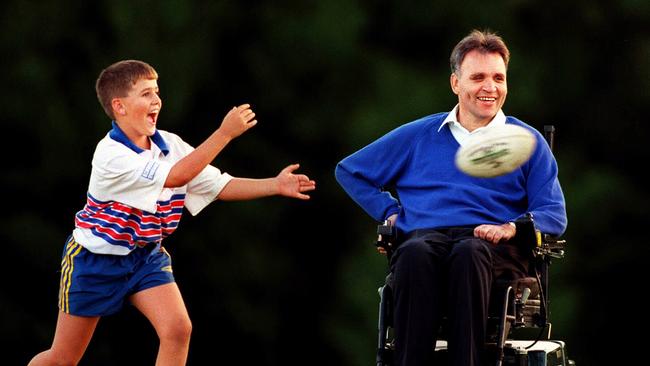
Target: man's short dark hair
(482, 41)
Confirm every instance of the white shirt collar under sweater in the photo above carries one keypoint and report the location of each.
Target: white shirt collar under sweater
(460, 133)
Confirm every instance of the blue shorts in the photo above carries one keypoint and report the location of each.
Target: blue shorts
(98, 284)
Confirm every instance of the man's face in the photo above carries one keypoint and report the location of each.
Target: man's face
(481, 88)
(140, 108)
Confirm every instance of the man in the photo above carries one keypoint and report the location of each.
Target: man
(454, 228)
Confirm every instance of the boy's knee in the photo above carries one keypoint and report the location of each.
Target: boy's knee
(179, 330)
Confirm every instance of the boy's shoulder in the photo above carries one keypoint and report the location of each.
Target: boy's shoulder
(108, 150)
(110, 143)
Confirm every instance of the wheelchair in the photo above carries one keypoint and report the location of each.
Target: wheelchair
(519, 331)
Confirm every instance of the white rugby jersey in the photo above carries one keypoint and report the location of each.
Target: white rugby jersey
(127, 205)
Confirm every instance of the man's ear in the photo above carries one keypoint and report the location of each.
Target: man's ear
(118, 107)
(453, 81)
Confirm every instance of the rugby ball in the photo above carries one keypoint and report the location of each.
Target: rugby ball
(495, 151)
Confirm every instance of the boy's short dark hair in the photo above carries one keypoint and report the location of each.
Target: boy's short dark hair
(484, 42)
(117, 80)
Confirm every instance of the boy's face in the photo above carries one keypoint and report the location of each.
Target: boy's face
(138, 111)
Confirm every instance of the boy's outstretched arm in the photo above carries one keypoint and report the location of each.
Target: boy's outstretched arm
(236, 122)
(285, 184)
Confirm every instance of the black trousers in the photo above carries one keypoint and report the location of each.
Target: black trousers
(451, 272)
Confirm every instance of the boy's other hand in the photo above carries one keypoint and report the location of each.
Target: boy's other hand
(237, 121)
(293, 185)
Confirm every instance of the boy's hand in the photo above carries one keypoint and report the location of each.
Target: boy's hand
(293, 185)
(237, 121)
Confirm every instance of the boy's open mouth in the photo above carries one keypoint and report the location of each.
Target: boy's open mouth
(152, 117)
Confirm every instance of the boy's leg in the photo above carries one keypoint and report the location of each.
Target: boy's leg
(72, 335)
(165, 309)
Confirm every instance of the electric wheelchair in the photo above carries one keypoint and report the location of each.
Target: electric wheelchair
(519, 328)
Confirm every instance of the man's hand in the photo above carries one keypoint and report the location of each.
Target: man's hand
(495, 233)
(237, 121)
(392, 219)
(293, 185)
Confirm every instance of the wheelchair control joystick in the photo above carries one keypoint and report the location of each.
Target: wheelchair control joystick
(386, 238)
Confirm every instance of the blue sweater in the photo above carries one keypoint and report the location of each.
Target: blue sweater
(417, 161)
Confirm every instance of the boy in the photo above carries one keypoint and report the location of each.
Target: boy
(141, 178)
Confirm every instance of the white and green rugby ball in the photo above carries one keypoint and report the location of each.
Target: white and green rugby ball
(495, 151)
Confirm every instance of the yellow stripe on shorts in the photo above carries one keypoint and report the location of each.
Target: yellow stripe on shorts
(169, 267)
(67, 266)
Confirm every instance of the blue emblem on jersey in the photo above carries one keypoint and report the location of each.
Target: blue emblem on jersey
(150, 170)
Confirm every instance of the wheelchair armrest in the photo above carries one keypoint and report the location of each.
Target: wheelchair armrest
(527, 235)
(544, 245)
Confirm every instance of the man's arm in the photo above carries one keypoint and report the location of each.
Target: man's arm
(545, 198)
(285, 184)
(365, 173)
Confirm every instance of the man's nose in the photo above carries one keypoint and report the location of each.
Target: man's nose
(489, 86)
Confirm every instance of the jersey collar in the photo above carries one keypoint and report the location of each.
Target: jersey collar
(118, 135)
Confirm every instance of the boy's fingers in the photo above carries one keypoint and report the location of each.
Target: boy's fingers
(291, 168)
(307, 186)
(302, 196)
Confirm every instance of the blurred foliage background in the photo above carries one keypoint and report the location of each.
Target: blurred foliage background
(277, 281)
